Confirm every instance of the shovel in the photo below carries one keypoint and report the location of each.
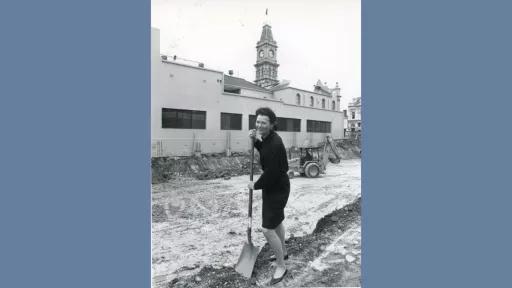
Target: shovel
(250, 252)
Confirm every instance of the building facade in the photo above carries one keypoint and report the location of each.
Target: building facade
(199, 110)
(354, 127)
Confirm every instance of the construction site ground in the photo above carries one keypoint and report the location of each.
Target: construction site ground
(199, 228)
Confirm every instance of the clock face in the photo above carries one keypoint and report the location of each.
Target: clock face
(271, 53)
(261, 54)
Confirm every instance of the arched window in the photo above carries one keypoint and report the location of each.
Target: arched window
(333, 105)
(298, 99)
(323, 103)
(311, 101)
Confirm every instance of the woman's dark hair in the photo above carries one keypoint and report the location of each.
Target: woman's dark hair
(265, 111)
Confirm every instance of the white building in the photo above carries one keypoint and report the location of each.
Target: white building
(195, 109)
(354, 118)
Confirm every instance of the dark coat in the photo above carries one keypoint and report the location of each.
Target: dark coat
(274, 180)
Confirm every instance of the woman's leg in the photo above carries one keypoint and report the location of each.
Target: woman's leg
(275, 243)
(281, 233)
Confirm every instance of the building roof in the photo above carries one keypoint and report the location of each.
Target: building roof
(321, 87)
(277, 88)
(283, 84)
(242, 83)
(355, 102)
(266, 36)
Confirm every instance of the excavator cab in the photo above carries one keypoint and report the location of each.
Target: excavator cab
(311, 162)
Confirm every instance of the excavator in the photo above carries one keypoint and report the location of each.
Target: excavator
(312, 161)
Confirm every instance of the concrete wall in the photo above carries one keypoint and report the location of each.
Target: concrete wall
(186, 87)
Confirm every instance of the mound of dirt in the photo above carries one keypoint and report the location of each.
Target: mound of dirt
(338, 219)
(348, 148)
(209, 166)
(301, 250)
(217, 165)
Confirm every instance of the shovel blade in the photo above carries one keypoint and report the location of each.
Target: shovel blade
(247, 259)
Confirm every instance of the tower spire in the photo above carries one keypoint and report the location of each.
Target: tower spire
(266, 58)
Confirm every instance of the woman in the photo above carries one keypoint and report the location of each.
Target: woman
(275, 184)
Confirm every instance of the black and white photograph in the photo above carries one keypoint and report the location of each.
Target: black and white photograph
(256, 143)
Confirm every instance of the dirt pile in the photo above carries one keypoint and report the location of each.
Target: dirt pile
(348, 148)
(218, 165)
(301, 250)
(208, 166)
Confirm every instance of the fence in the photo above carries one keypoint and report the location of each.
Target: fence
(227, 143)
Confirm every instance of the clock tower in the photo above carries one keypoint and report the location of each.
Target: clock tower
(266, 63)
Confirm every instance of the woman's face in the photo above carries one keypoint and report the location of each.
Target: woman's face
(263, 125)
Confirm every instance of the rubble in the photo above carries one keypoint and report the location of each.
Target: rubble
(350, 258)
(218, 165)
(206, 167)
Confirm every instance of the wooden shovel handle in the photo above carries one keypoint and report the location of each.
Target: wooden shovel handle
(249, 227)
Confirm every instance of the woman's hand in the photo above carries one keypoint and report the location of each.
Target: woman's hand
(252, 134)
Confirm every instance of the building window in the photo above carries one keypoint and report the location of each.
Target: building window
(288, 124)
(298, 99)
(230, 121)
(358, 124)
(353, 115)
(252, 122)
(333, 105)
(311, 103)
(323, 103)
(318, 126)
(233, 90)
(183, 119)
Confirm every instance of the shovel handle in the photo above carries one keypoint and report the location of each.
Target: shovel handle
(249, 226)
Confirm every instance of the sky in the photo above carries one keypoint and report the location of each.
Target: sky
(316, 39)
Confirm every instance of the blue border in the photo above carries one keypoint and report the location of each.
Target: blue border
(436, 163)
(75, 207)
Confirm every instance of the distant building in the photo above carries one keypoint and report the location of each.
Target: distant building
(354, 118)
(196, 109)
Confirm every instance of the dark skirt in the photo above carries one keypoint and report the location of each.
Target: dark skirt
(274, 201)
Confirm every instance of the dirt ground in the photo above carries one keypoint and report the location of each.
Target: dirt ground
(199, 227)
